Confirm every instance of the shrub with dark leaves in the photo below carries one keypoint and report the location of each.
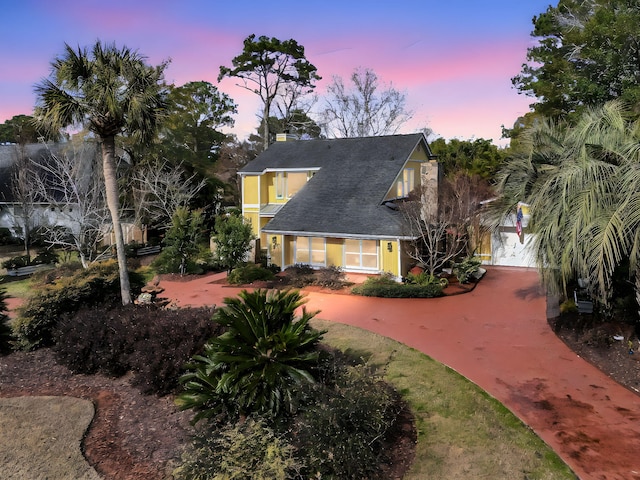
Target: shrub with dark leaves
(342, 434)
(99, 284)
(152, 342)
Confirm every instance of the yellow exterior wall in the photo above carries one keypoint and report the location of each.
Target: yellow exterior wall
(250, 190)
(254, 218)
(334, 251)
(420, 153)
(288, 252)
(388, 260)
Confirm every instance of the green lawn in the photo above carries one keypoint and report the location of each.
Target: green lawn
(463, 433)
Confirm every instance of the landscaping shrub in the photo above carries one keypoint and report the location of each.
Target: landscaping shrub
(330, 277)
(426, 279)
(300, 275)
(249, 274)
(256, 365)
(99, 284)
(466, 269)
(16, 262)
(385, 286)
(152, 342)
(244, 451)
(342, 434)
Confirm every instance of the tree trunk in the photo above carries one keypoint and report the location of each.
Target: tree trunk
(265, 126)
(113, 202)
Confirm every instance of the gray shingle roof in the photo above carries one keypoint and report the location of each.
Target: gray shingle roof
(345, 196)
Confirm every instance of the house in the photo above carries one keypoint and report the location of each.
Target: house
(334, 202)
(26, 205)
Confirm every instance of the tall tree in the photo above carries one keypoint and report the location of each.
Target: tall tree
(18, 129)
(197, 112)
(475, 157)
(270, 67)
(112, 92)
(588, 52)
(364, 109)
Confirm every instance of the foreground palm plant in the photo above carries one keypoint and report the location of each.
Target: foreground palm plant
(259, 363)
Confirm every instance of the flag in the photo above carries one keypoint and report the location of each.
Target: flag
(519, 221)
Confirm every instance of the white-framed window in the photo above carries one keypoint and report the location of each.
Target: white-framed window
(361, 254)
(406, 183)
(281, 185)
(311, 251)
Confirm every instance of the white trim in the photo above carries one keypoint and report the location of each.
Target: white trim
(337, 235)
(361, 267)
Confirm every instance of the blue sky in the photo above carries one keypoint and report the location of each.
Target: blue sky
(453, 59)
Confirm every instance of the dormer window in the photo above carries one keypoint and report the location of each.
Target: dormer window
(406, 183)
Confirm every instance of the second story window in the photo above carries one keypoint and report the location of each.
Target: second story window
(406, 183)
(281, 185)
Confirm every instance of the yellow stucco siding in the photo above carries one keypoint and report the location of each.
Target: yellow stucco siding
(250, 190)
(389, 259)
(254, 218)
(334, 251)
(288, 250)
(419, 153)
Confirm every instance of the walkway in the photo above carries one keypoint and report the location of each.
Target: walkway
(498, 337)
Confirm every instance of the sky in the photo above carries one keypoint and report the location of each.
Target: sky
(452, 59)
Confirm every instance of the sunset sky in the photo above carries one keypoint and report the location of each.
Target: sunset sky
(453, 59)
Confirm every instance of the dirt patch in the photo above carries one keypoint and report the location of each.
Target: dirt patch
(596, 343)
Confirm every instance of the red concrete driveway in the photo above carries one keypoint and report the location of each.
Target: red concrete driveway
(498, 337)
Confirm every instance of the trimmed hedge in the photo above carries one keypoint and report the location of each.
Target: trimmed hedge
(248, 274)
(389, 288)
(151, 341)
(99, 284)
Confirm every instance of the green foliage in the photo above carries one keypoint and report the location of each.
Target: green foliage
(16, 262)
(44, 257)
(466, 269)
(19, 129)
(300, 275)
(98, 284)
(6, 333)
(233, 240)
(583, 191)
(267, 67)
(474, 157)
(248, 274)
(258, 363)
(153, 342)
(341, 435)
(386, 286)
(181, 243)
(426, 279)
(244, 451)
(586, 54)
(197, 112)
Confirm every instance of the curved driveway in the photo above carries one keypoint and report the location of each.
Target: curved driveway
(498, 337)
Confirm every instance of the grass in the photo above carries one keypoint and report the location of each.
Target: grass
(462, 432)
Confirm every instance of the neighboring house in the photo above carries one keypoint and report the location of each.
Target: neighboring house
(508, 245)
(333, 202)
(44, 213)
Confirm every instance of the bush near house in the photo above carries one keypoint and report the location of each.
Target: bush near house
(248, 274)
(297, 405)
(98, 284)
(466, 269)
(386, 286)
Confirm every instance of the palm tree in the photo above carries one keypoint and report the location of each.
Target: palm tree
(256, 366)
(583, 186)
(112, 92)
